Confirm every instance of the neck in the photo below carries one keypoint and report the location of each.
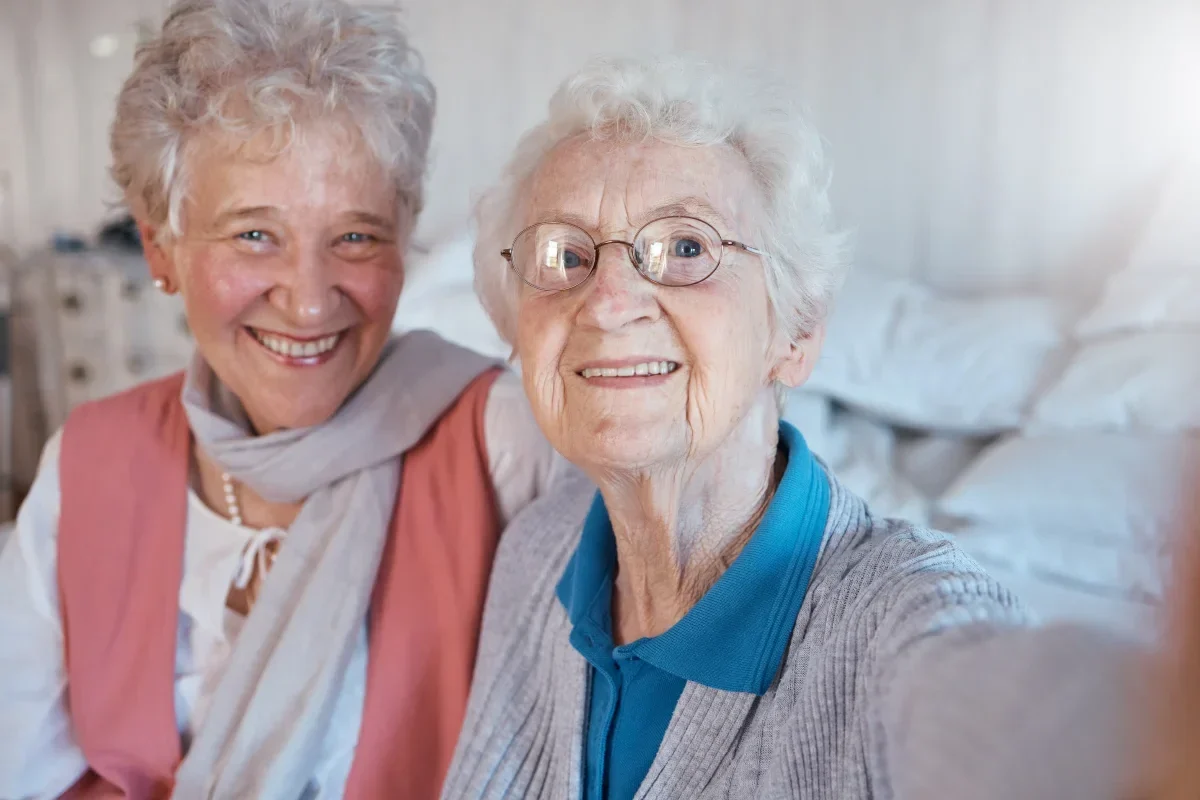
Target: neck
(679, 526)
(255, 512)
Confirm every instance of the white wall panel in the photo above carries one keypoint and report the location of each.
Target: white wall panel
(16, 166)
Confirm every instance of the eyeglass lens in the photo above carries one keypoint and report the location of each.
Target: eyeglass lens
(673, 251)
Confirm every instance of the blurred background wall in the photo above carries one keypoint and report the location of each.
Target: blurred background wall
(980, 144)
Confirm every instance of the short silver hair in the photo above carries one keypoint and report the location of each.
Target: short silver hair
(692, 103)
(248, 66)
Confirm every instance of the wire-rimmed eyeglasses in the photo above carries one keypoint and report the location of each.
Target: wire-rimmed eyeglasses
(672, 251)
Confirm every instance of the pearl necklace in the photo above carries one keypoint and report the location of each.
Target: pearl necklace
(231, 501)
(258, 557)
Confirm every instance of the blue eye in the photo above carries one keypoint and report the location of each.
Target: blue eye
(357, 238)
(571, 259)
(687, 248)
(253, 236)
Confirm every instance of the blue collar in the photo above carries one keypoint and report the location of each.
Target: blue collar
(734, 638)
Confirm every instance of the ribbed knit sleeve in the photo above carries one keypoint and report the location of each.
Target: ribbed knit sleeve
(983, 711)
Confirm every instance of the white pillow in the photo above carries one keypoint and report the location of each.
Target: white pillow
(439, 295)
(1097, 567)
(861, 452)
(1077, 505)
(970, 365)
(932, 462)
(1147, 381)
(1054, 598)
(865, 463)
(1160, 287)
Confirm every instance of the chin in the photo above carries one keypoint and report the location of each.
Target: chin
(298, 400)
(308, 418)
(631, 448)
(294, 415)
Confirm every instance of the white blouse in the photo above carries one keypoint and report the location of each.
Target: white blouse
(39, 758)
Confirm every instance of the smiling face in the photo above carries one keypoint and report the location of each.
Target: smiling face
(717, 339)
(290, 270)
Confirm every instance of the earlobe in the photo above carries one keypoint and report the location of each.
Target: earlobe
(162, 270)
(797, 364)
(794, 369)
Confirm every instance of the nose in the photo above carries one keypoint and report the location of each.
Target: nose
(307, 294)
(617, 295)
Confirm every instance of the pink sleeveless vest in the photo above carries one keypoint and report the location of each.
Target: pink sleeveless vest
(124, 478)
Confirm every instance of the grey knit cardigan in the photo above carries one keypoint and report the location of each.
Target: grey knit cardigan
(910, 673)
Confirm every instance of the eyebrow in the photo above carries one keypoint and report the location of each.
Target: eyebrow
(271, 212)
(367, 218)
(225, 217)
(677, 207)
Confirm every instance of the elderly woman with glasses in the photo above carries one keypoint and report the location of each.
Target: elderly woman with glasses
(265, 578)
(702, 609)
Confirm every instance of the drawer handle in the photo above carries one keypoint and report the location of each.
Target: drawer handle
(72, 302)
(80, 373)
(131, 291)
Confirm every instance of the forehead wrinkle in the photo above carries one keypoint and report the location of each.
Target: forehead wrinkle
(682, 192)
(695, 207)
(682, 181)
(289, 190)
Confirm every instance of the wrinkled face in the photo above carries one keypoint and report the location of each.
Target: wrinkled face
(290, 269)
(718, 339)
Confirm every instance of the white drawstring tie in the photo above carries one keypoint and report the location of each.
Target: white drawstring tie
(256, 556)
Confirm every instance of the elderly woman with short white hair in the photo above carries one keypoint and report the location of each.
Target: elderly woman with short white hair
(265, 578)
(703, 610)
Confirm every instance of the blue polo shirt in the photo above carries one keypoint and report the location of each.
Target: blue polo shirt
(733, 639)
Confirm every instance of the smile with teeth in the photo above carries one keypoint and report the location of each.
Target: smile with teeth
(291, 348)
(631, 371)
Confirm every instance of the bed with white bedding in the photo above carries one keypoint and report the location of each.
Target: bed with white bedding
(1056, 446)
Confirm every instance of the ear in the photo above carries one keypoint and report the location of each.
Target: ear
(160, 261)
(796, 364)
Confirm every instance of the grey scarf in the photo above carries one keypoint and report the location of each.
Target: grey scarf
(269, 712)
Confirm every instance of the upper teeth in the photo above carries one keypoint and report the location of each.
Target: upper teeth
(648, 368)
(294, 349)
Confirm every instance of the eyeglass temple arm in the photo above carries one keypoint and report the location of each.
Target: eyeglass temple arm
(746, 247)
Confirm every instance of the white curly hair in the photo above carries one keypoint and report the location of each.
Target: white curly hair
(249, 66)
(691, 103)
